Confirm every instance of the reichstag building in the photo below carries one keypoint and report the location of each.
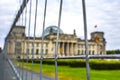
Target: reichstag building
(18, 44)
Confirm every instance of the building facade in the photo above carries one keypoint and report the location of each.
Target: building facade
(18, 44)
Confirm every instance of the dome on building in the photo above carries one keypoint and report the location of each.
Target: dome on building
(52, 29)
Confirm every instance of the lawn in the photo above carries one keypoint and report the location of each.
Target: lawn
(68, 73)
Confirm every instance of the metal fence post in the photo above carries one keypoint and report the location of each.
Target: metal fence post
(86, 40)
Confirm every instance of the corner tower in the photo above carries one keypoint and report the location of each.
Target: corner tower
(98, 37)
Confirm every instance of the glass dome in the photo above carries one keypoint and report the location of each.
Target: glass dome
(52, 29)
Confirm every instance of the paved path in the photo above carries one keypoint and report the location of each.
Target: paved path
(36, 76)
(6, 72)
(1, 66)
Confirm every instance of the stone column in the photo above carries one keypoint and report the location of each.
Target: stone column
(103, 48)
(76, 49)
(59, 49)
(63, 49)
(13, 47)
(67, 49)
(72, 48)
(22, 48)
(96, 50)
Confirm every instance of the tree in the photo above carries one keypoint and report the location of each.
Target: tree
(0, 49)
(117, 51)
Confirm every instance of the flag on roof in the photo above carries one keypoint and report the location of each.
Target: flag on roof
(95, 26)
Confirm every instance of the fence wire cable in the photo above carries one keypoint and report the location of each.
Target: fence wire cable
(18, 21)
(21, 22)
(26, 54)
(19, 12)
(86, 40)
(23, 50)
(29, 32)
(14, 69)
(28, 39)
(41, 57)
(56, 48)
(34, 38)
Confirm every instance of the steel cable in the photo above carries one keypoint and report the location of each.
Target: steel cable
(41, 57)
(34, 38)
(28, 38)
(86, 40)
(56, 48)
(25, 43)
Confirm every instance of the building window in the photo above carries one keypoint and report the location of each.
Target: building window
(18, 47)
(27, 51)
(100, 52)
(46, 44)
(100, 46)
(82, 46)
(37, 51)
(93, 52)
(37, 44)
(18, 44)
(37, 57)
(32, 44)
(46, 52)
(78, 52)
(89, 52)
(42, 50)
(93, 46)
(27, 43)
(78, 45)
(32, 51)
(89, 46)
(18, 51)
(82, 52)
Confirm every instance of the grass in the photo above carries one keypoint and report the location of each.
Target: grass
(68, 73)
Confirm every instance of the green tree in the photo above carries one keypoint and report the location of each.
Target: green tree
(117, 51)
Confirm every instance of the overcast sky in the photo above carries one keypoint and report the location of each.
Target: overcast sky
(103, 13)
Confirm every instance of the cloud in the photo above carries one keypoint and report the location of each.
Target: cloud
(7, 14)
(103, 13)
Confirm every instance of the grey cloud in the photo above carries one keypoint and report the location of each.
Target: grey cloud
(104, 13)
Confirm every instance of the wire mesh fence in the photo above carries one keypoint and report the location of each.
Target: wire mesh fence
(24, 47)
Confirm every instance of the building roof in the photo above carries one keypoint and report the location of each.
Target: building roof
(20, 26)
(52, 29)
(97, 32)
